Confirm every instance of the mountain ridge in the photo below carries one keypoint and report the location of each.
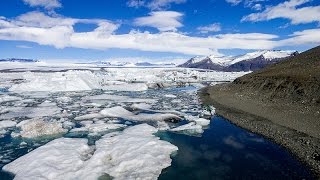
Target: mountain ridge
(246, 62)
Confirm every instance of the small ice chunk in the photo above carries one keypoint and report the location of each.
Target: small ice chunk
(200, 121)
(7, 123)
(119, 99)
(170, 96)
(97, 128)
(116, 111)
(191, 128)
(141, 106)
(64, 99)
(7, 98)
(120, 112)
(162, 126)
(88, 116)
(68, 124)
(81, 129)
(126, 87)
(36, 127)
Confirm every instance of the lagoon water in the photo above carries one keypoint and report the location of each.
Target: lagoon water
(222, 151)
(226, 151)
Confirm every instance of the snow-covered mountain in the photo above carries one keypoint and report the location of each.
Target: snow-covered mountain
(247, 62)
(18, 60)
(131, 64)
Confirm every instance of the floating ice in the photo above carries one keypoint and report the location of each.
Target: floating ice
(6, 98)
(36, 127)
(88, 116)
(58, 81)
(199, 121)
(170, 96)
(133, 154)
(191, 128)
(117, 98)
(6, 124)
(120, 112)
(127, 87)
(44, 109)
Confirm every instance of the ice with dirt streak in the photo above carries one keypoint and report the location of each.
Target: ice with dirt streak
(134, 153)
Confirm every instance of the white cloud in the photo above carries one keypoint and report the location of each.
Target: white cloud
(23, 47)
(136, 3)
(257, 7)
(39, 19)
(48, 4)
(309, 36)
(162, 20)
(215, 27)
(288, 10)
(62, 35)
(160, 4)
(253, 4)
(234, 2)
(154, 4)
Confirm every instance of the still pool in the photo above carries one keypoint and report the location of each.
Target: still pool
(226, 151)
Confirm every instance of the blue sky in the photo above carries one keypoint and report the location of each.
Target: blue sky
(154, 29)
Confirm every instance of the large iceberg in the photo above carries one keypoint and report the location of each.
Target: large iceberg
(134, 153)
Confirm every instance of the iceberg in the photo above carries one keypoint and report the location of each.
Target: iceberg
(134, 153)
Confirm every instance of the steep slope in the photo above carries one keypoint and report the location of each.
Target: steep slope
(297, 79)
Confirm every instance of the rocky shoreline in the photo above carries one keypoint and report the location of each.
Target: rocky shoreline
(250, 114)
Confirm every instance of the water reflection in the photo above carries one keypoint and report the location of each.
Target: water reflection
(228, 152)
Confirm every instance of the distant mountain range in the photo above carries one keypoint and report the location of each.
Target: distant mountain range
(247, 62)
(18, 60)
(131, 64)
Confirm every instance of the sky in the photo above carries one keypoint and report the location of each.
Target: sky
(154, 30)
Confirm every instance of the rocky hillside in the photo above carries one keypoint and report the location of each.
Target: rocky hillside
(247, 62)
(297, 79)
(281, 102)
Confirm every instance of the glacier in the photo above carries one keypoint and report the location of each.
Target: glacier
(94, 119)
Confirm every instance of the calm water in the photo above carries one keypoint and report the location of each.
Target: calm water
(224, 151)
(227, 152)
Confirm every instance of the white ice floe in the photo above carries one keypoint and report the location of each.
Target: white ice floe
(120, 112)
(191, 128)
(133, 154)
(58, 81)
(102, 127)
(89, 116)
(7, 98)
(119, 99)
(64, 99)
(197, 120)
(116, 79)
(36, 127)
(126, 87)
(44, 109)
(141, 106)
(7, 123)
(170, 96)
(147, 107)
